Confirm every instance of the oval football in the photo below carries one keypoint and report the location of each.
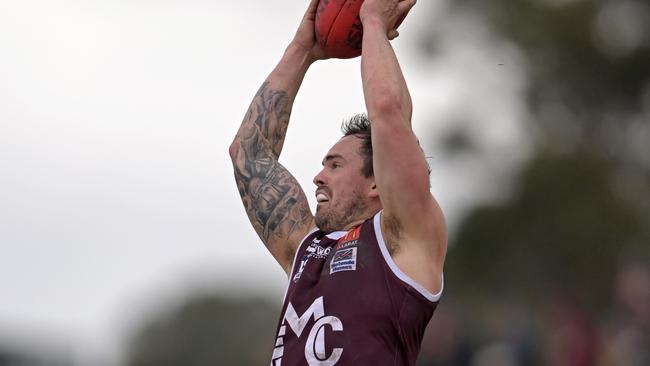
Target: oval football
(338, 27)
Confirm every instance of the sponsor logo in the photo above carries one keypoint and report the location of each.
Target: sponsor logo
(349, 239)
(318, 252)
(313, 251)
(303, 263)
(315, 352)
(347, 244)
(344, 260)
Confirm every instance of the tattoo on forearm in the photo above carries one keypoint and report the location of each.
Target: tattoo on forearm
(273, 199)
(270, 113)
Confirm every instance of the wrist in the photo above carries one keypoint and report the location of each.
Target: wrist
(300, 54)
(374, 23)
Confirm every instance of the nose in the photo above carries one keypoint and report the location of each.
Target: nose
(319, 179)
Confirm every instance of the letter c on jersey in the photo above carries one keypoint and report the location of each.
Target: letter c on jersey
(315, 353)
(315, 346)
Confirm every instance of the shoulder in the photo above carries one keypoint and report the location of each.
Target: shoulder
(419, 253)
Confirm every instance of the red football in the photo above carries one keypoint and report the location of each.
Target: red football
(338, 27)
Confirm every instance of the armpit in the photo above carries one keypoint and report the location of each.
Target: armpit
(392, 233)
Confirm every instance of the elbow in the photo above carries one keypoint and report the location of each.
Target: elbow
(388, 107)
(233, 150)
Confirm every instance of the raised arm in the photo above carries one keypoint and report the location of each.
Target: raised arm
(274, 202)
(412, 221)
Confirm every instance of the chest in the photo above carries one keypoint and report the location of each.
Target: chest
(348, 268)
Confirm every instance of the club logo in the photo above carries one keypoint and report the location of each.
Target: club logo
(315, 353)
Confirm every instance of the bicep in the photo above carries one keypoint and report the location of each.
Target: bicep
(402, 176)
(275, 204)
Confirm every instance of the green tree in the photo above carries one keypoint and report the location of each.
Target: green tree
(584, 197)
(580, 206)
(206, 330)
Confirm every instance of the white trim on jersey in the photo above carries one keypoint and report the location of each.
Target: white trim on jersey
(336, 235)
(398, 272)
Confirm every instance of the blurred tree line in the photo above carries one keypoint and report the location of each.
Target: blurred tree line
(557, 273)
(206, 330)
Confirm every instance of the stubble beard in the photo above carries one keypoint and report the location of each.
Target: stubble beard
(337, 217)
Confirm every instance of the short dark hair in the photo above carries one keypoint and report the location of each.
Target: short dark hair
(359, 126)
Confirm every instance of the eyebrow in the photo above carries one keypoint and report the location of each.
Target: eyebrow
(332, 157)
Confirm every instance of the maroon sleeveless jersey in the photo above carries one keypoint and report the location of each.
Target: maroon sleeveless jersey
(349, 304)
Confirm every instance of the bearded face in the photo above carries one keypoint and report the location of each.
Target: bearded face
(342, 190)
(336, 214)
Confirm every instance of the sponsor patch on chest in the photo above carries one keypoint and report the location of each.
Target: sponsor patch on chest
(350, 239)
(344, 260)
(315, 251)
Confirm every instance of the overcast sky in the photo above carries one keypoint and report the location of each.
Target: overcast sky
(116, 189)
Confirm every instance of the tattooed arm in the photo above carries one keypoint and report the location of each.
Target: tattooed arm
(274, 201)
(275, 204)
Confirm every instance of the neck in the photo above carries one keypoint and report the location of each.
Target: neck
(353, 224)
(360, 220)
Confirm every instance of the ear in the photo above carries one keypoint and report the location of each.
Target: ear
(373, 192)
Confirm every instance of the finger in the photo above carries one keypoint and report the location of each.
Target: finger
(403, 8)
(311, 9)
(400, 20)
(406, 4)
(393, 34)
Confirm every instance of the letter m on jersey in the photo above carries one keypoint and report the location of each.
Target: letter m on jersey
(315, 354)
